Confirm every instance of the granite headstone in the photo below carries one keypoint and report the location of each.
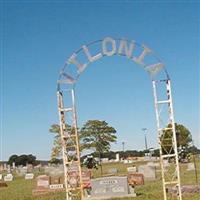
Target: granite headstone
(149, 172)
(110, 187)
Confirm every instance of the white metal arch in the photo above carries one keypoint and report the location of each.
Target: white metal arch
(73, 68)
(76, 64)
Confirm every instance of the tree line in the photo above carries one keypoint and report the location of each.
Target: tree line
(97, 136)
(22, 160)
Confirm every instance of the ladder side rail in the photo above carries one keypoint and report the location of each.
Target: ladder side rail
(168, 85)
(77, 141)
(159, 136)
(65, 159)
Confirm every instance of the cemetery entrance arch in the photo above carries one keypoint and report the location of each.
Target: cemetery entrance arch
(74, 67)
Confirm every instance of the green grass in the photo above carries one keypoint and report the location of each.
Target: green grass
(21, 189)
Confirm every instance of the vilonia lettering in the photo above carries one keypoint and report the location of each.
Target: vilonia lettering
(109, 47)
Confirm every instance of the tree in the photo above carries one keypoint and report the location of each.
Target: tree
(90, 162)
(22, 159)
(97, 135)
(55, 161)
(57, 147)
(56, 150)
(13, 159)
(183, 137)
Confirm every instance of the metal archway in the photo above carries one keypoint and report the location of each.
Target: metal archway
(74, 66)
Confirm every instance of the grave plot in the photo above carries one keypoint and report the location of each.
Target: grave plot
(46, 185)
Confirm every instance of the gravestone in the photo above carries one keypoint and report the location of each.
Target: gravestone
(4, 166)
(73, 178)
(117, 158)
(135, 179)
(132, 169)
(104, 160)
(13, 165)
(166, 163)
(1, 167)
(113, 171)
(151, 164)
(42, 182)
(29, 176)
(47, 169)
(43, 186)
(185, 189)
(29, 168)
(149, 172)
(86, 179)
(110, 187)
(3, 184)
(56, 180)
(190, 167)
(56, 183)
(56, 186)
(8, 177)
(128, 161)
(56, 172)
(9, 169)
(21, 171)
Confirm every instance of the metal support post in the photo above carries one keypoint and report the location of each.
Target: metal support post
(167, 141)
(70, 146)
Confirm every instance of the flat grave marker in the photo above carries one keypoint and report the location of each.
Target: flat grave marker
(56, 186)
(29, 176)
(8, 177)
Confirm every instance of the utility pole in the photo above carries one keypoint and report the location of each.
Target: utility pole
(123, 144)
(145, 138)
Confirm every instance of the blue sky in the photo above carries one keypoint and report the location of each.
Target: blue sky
(38, 37)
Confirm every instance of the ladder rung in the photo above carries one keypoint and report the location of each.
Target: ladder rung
(73, 189)
(166, 139)
(71, 146)
(171, 183)
(65, 109)
(162, 102)
(168, 156)
(71, 162)
(164, 129)
(69, 136)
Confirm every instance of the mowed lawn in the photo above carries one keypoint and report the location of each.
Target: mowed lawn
(21, 189)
